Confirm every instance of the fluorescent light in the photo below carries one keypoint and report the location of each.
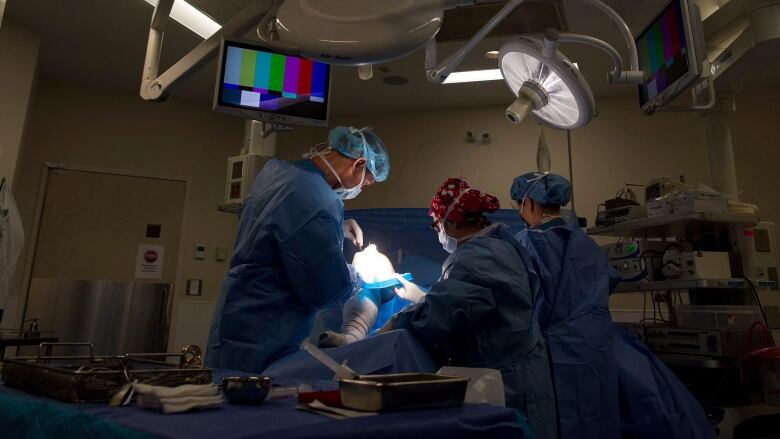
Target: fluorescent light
(192, 18)
(473, 76)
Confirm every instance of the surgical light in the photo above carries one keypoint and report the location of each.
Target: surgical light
(473, 76)
(365, 32)
(545, 84)
(372, 265)
(191, 18)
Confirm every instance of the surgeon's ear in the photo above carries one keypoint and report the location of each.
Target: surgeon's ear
(359, 165)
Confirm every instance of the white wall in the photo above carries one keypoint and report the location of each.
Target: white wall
(18, 63)
(620, 146)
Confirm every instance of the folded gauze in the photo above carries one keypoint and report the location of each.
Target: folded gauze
(178, 399)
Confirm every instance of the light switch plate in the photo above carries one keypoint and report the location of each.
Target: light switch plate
(200, 252)
(194, 287)
(221, 254)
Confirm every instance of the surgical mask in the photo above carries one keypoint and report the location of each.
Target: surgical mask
(342, 192)
(348, 194)
(447, 242)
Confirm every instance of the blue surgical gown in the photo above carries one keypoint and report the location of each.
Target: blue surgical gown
(480, 314)
(653, 402)
(572, 308)
(288, 263)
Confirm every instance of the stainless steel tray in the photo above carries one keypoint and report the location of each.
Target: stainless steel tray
(405, 391)
(96, 378)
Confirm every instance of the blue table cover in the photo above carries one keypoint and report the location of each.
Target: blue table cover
(393, 352)
(24, 415)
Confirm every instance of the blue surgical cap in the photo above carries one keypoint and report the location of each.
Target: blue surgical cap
(546, 189)
(349, 142)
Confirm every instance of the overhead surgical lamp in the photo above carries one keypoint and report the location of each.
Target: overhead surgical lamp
(365, 32)
(545, 83)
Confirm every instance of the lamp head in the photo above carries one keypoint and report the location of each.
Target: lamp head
(546, 84)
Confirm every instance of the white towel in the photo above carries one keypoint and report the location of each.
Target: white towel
(178, 399)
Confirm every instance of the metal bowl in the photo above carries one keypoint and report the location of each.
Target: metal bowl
(250, 390)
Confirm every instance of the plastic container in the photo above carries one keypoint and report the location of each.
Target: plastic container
(717, 316)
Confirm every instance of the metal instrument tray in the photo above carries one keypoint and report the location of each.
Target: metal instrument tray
(89, 379)
(404, 391)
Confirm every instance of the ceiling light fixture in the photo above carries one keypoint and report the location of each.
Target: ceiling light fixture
(192, 18)
(473, 76)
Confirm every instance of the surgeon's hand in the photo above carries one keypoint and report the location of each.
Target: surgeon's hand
(353, 232)
(354, 276)
(409, 291)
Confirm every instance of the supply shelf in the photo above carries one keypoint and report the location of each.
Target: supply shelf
(676, 225)
(679, 284)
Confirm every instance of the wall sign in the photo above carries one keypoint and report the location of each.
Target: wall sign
(149, 261)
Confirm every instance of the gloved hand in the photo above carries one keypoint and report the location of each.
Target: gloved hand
(354, 276)
(353, 232)
(409, 291)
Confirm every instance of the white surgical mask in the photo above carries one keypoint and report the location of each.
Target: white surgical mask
(447, 242)
(348, 194)
(342, 192)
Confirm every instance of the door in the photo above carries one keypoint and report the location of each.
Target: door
(92, 224)
(96, 229)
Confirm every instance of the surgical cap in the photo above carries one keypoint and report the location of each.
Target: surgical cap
(349, 142)
(546, 189)
(457, 200)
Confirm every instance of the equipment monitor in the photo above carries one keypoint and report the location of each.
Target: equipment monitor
(262, 84)
(668, 54)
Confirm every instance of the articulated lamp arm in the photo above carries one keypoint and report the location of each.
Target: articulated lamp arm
(153, 85)
(440, 72)
(616, 76)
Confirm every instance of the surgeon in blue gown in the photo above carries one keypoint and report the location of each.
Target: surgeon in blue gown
(288, 261)
(607, 383)
(572, 308)
(480, 313)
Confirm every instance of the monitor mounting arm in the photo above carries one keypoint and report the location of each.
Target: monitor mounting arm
(155, 85)
(437, 73)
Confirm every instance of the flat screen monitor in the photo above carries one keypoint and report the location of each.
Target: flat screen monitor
(667, 55)
(258, 83)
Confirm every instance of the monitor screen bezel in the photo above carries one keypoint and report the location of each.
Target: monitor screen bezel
(678, 86)
(260, 115)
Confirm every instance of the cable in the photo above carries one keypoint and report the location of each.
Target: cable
(761, 308)
(643, 259)
(660, 311)
(722, 381)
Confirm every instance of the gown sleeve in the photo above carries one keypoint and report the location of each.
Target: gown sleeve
(454, 304)
(314, 262)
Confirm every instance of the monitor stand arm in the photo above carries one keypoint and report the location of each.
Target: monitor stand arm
(154, 86)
